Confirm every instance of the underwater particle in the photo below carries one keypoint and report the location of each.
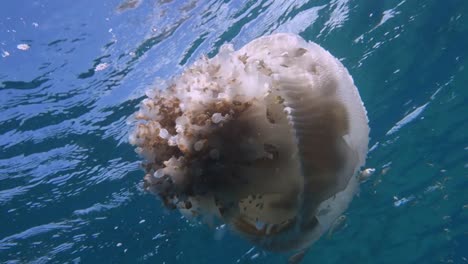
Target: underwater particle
(158, 236)
(386, 168)
(101, 66)
(23, 47)
(5, 54)
(399, 202)
(407, 119)
(434, 187)
(118, 245)
(35, 24)
(366, 174)
(256, 255)
(267, 139)
(219, 232)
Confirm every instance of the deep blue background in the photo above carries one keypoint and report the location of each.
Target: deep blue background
(70, 185)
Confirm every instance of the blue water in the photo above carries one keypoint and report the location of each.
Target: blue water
(71, 186)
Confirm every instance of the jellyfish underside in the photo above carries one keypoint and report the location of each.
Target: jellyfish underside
(272, 164)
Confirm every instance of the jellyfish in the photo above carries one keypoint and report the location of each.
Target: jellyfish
(267, 139)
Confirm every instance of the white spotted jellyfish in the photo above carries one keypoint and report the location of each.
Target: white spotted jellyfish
(267, 139)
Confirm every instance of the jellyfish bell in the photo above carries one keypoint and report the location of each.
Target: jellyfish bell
(267, 139)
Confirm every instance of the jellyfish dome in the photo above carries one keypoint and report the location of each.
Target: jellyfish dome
(267, 139)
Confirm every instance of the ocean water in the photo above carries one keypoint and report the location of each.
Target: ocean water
(73, 72)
